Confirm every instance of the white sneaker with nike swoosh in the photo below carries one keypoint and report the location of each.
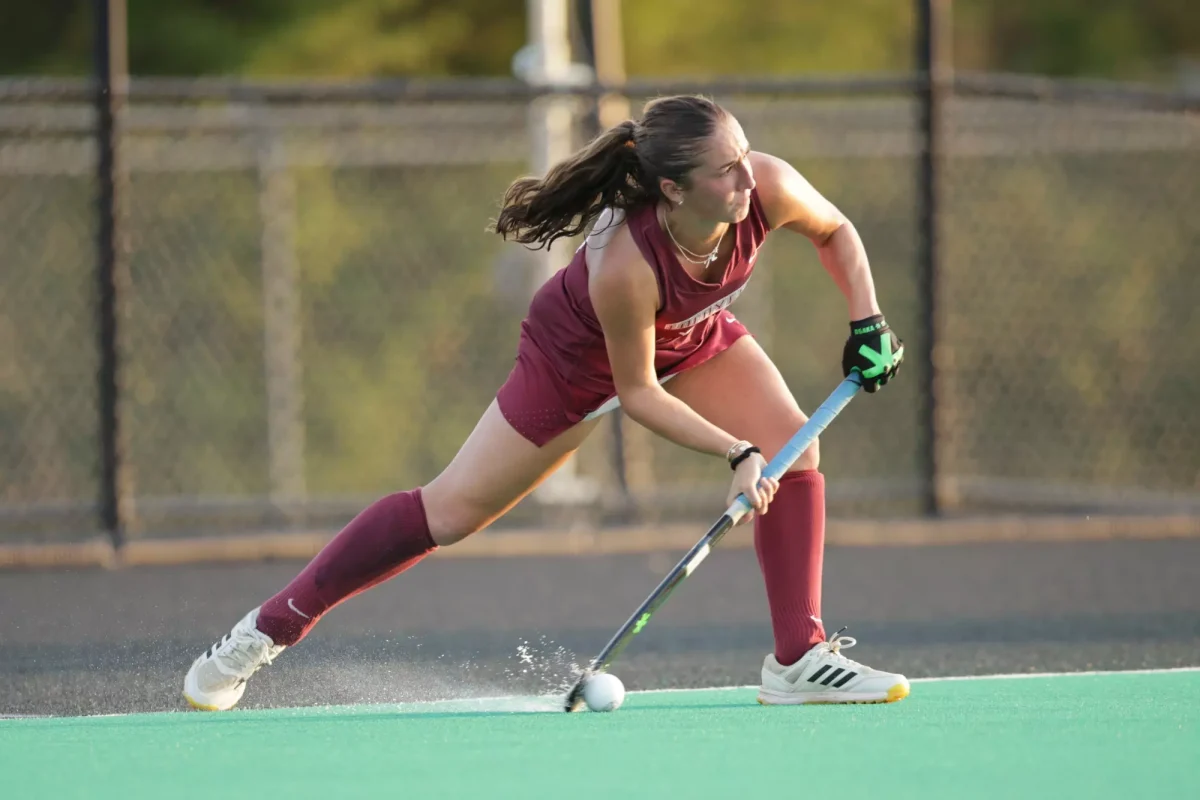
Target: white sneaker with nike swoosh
(218, 677)
(824, 675)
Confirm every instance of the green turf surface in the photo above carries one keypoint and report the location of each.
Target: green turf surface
(1097, 736)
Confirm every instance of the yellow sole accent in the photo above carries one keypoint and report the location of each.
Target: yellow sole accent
(199, 706)
(894, 695)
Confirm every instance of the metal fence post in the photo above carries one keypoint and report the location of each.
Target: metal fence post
(282, 364)
(552, 131)
(933, 63)
(603, 50)
(111, 92)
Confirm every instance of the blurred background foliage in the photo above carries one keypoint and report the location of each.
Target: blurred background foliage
(1152, 40)
(1068, 248)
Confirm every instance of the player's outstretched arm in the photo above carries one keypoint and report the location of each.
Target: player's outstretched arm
(791, 202)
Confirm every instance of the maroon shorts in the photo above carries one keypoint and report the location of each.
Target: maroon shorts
(540, 404)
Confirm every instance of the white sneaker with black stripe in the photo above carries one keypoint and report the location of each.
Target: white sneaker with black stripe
(824, 675)
(218, 678)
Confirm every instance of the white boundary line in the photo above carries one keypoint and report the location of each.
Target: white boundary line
(988, 677)
(1005, 676)
(946, 678)
(462, 701)
(995, 676)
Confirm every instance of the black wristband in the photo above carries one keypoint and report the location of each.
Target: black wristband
(742, 456)
(867, 325)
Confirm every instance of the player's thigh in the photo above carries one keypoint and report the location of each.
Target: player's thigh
(741, 391)
(491, 472)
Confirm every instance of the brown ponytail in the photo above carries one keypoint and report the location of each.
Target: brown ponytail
(620, 168)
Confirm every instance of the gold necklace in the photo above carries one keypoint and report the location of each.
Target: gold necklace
(695, 258)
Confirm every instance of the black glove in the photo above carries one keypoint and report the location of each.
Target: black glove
(873, 351)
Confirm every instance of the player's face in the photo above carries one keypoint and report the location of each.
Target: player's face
(721, 184)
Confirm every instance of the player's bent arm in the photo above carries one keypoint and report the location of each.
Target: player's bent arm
(624, 294)
(791, 202)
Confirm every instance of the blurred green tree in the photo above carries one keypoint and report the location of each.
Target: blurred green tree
(1140, 39)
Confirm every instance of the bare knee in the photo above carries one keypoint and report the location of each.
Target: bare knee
(449, 526)
(452, 516)
(808, 460)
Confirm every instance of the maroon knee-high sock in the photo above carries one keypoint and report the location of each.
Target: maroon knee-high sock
(790, 542)
(386, 538)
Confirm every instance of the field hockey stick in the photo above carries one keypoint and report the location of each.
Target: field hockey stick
(778, 465)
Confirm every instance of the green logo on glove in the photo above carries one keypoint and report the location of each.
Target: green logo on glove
(882, 361)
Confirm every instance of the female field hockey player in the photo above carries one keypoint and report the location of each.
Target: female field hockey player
(677, 206)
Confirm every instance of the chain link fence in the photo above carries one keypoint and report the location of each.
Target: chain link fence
(313, 313)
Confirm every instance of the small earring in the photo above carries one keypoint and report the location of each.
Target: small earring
(681, 201)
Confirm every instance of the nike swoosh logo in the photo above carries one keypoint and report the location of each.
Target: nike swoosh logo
(292, 606)
(817, 620)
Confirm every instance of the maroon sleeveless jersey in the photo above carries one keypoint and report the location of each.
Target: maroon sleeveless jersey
(562, 372)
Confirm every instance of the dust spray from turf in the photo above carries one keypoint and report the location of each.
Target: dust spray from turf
(533, 677)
